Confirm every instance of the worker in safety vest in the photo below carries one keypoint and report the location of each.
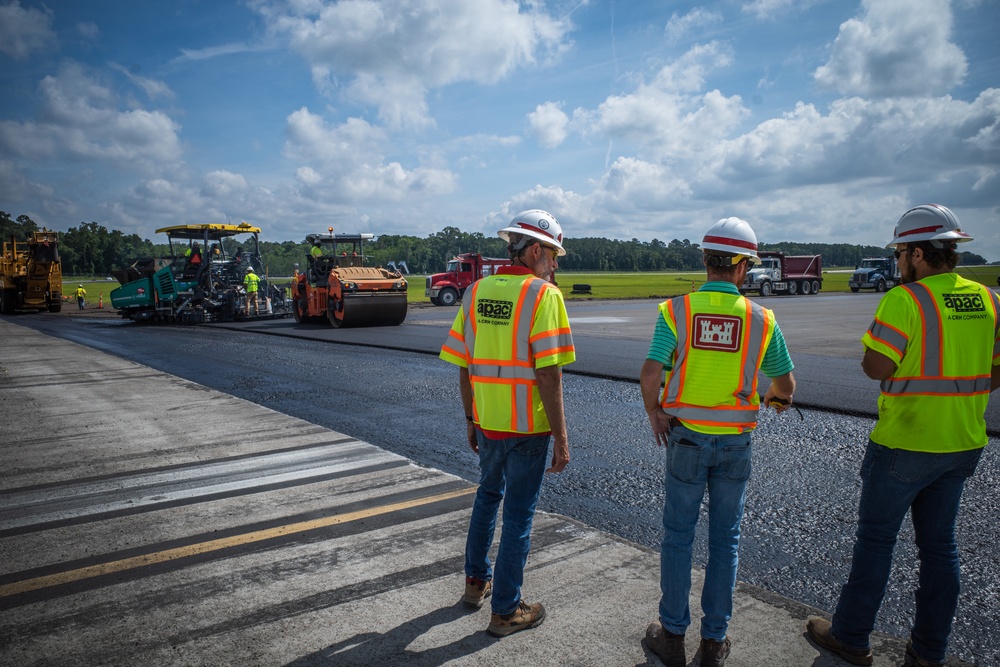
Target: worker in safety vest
(251, 281)
(81, 296)
(509, 340)
(712, 343)
(934, 346)
(316, 251)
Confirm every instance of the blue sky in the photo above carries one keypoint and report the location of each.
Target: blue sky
(815, 120)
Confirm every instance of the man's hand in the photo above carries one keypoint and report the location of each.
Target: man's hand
(660, 422)
(471, 435)
(560, 455)
(779, 394)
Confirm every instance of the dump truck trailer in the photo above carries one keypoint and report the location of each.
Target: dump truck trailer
(779, 273)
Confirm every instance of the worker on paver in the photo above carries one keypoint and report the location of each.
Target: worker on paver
(934, 346)
(81, 296)
(251, 282)
(509, 340)
(316, 251)
(712, 343)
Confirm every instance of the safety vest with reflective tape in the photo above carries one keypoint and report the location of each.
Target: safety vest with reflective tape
(509, 324)
(943, 334)
(251, 280)
(721, 341)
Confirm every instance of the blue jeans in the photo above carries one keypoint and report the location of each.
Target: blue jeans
(513, 467)
(930, 486)
(722, 464)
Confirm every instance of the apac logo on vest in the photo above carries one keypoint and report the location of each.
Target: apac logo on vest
(720, 333)
(494, 310)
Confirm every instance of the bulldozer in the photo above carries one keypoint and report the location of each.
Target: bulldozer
(338, 288)
(200, 281)
(31, 274)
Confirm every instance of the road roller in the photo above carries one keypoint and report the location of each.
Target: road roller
(338, 288)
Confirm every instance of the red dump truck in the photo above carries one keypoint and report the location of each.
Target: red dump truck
(779, 273)
(444, 289)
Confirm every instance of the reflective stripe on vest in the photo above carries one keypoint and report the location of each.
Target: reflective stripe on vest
(932, 380)
(742, 412)
(889, 335)
(518, 372)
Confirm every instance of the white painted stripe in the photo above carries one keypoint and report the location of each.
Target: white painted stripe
(26, 508)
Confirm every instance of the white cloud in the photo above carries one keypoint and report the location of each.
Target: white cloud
(679, 27)
(775, 9)
(348, 158)
(79, 119)
(548, 124)
(25, 31)
(668, 117)
(222, 184)
(88, 30)
(391, 53)
(895, 48)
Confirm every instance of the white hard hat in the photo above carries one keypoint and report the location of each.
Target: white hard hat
(928, 222)
(249, 269)
(537, 224)
(732, 235)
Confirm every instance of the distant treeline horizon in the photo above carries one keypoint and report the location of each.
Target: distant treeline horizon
(92, 249)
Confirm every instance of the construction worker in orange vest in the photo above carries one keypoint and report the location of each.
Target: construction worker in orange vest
(712, 343)
(934, 346)
(509, 340)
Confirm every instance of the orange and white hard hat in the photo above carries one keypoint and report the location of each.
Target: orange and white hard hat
(928, 222)
(732, 235)
(536, 224)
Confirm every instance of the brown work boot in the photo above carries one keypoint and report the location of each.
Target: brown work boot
(714, 652)
(476, 592)
(667, 646)
(524, 617)
(911, 659)
(820, 630)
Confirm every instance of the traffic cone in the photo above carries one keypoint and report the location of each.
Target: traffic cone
(100, 300)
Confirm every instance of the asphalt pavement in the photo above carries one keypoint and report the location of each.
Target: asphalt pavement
(147, 519)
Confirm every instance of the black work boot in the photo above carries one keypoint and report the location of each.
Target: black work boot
(714, 652)
(667, 646)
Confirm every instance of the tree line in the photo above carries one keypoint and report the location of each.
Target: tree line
(91, 249)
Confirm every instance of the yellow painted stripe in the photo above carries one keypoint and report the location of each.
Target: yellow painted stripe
(214, 545)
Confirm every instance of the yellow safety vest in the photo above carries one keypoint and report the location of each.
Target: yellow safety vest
(80, 292)
(943, 334)
(251, 280)
(721, 340)
(509, 325)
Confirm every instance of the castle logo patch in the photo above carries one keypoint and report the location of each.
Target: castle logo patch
(717, 332)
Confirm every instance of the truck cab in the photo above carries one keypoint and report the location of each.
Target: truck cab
(445, 289)
(877, 273)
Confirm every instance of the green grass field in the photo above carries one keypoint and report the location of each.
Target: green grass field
(602, 285)
(662, 285)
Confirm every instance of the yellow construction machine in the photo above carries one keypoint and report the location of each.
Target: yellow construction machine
(31, 274)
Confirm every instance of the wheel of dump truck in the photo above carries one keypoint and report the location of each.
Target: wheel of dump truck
(806, 287)
(855, 289)
(448, 296)
(880, 286)
(765, 289)
(435, 301)
(815, 287)
(793, 287)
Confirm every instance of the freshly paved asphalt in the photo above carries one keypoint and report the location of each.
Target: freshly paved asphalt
(132, 464)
